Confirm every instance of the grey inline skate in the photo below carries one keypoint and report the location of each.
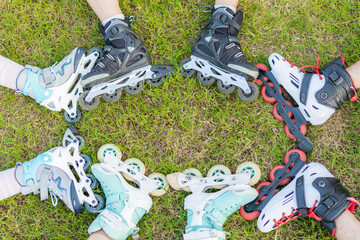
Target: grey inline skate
(126, 64)
(217, 55)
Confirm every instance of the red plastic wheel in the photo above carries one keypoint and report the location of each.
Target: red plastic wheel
(273, 173)
(288, 153)
(249, 216)
(277, 115)
(258, 188)
(290, 135)
(262, 67)
(265, 96)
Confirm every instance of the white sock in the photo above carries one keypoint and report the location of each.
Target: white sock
(120, 16)
(9, 72)
(232, 8)
(8, 184)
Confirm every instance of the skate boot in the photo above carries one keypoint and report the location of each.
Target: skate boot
(61, 171)
(125, 204)
(126, 64)
(318, 93)
(217, 55)
(57, 87)
(207, 212)
(314, 192)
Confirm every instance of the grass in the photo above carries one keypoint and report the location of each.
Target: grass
(180, 124)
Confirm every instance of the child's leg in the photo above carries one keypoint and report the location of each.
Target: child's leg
(354, 71)
(106, 10)
(8, 184)
(347, 226)
(9, 72)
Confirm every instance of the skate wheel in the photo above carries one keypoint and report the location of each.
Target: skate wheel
(290, 135)
(87, 161)
(108, 147)
(226, 89)
(157, 82)
(110, 98)
(96, 206)
(133, 90)
(276, 173)
(251, 168)
(92, 180)
(164, 185)
(264, 68)
(192, 172)
(266, 96)
(74, 130)
(218, 170)
(301, 154)
(72, 119)
(97, 50)
(186, 72)
(88, 106)
(251, 96)
(249, 216)
(260, 188)
(137, 165)
(205, 81)
(276, 113)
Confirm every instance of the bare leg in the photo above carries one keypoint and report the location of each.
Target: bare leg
(347, 226)
(231, 3)
(99, 235)
(9, 71)
(354, 71)
(105, 9)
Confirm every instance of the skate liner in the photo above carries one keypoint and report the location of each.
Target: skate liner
(317, 93)
(217, 56)
(58, 87)
(126, 65)
(208, 211)
(60, 172)
(125, 204)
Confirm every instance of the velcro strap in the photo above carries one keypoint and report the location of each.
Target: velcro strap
(304, 89)
(120, 197)
(213, 211)
(44, 178)
(300, 196)
(205, 234)
(115, 221)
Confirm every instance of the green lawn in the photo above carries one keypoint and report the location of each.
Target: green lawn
(180, 124)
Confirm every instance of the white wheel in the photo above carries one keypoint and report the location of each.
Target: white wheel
(140, 167)
(253, 169)
(218, 169)
(164, 184)
(108, 147)
(192, 172)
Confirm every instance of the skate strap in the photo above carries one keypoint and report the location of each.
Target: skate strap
(44, 180)
(304, 89)
(213, 211)
(115, 221)
(32, 84)
(300, 196)
(115, 198)
(204, 233)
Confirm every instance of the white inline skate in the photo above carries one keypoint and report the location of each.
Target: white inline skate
(207, 212)
(318, 93)
(126, 65)
(61, 172)
(125, 204)
(58, 87)
(217, 55)
(314, 192)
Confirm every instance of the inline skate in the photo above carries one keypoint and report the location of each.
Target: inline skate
(217, 55)
(207, 212)
(317, 93)
(126, 64)
(125, 204)
(58, 87)
(61, 172)
(314, 192)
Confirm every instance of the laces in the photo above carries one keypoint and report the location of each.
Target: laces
(293, 215)
(312, 214)
(53, 195)
(316, 68)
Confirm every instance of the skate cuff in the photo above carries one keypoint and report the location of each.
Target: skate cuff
(32, 84)
(354, 204)
(205, 234)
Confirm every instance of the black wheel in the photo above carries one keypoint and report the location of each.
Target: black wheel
(110, 98)
(73, 119)
(88, 106)
(157, 82)
(134, 90)
(186, 72)
(251, 96)
(74, 130)
(94, 182)
(87, 162)
(97, 207)
(205, 81)
(226, 89)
